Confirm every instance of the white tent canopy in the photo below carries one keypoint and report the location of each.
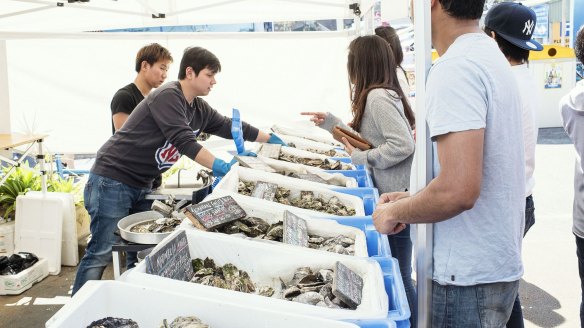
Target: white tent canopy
(61, 16)
(60, 80)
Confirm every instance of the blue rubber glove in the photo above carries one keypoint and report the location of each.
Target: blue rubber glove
(274, 139)
(220, 167)
(248, 153)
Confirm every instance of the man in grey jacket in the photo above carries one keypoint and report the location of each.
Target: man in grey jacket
(163, 127)
(572, 110)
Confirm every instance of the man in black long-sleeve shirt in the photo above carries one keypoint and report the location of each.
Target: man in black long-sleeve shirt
(163, 127)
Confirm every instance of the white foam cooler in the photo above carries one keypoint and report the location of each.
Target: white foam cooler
(7, 238)
(274, 213)
(230, 183)
(17, 283)
(266, 264)
(148, 306)
(69, 250)
(39, 228)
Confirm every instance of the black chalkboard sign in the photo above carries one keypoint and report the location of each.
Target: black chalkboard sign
(295, 231)
(347, 285)
(214, 213)
(173, 260)
(270, 150)
(254, 163)
(265, 190)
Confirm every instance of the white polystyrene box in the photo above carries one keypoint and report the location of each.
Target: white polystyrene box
(266, 264)
(272, 213)
(39, 228)
(100, 299)
(17, 283)
(310, 145)
(7, 238)
(230, 183)
(305, 154)
(69, 247)
(312, 133)
(337, 179)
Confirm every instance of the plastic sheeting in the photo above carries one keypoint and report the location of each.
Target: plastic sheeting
(63, 85)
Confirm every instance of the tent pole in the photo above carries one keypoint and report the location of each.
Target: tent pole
(4, 92)
(423, 161)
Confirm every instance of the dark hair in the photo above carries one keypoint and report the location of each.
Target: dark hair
(152, 54)
(579, 45)
(389, 34)
(198, 59)
(371, 65)
(463, 9)
(508, 49)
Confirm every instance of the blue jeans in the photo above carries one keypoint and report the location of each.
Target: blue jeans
(484, 306)
(107, 201)
(580, 255)
(401, 248)
(516, 319)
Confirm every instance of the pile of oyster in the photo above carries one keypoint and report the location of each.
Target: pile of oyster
(156, 226)
(184, 322)
(226, 277)
(111, 322)
(257, 228)
(307, 200)
(325, 164)
(329, 153)
(313, 288)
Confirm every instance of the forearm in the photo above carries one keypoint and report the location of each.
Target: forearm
(205, 158)
(437, 202)
(331, 121)
(262, 137)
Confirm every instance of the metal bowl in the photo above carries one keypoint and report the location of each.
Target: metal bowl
(129, 221)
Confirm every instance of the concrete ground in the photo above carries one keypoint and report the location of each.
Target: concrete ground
(550, 288)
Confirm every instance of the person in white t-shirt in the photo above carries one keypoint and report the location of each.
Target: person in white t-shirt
(477, 197)
(511, 25)
(572, 110)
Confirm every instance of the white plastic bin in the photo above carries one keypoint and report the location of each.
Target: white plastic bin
(18, 283)
(148, 306)
(230, 183)
(266, 264)
(274, 213)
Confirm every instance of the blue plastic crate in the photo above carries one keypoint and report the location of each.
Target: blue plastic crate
(362, 176)
(348, 160)
(398, 308)
(370, 196)
(377, 243)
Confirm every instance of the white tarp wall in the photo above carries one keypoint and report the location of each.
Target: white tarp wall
(63, 85)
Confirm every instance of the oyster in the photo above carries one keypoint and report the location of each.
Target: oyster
(325, 164)
(309, 287)
(307, 200)
(226, 277)
(184, 322)
(111, 322)
(156, 226)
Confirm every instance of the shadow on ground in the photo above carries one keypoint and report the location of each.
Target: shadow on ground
(539, 307)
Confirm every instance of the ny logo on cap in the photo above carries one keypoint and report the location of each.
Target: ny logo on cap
(528, 27)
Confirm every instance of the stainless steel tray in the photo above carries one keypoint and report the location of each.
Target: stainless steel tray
(129, 221)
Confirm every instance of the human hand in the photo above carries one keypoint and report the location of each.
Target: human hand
(220, 167)
(383, 219)
(392, 196)
(248, 153)
(348, 147)
(274, 139)
(317, 117)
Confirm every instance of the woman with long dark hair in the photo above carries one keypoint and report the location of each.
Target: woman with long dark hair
(382, 116)
(389, 34)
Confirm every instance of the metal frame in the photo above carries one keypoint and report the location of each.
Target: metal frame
(422, 173)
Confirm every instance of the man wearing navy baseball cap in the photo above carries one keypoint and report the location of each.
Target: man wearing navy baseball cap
(512, 25)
